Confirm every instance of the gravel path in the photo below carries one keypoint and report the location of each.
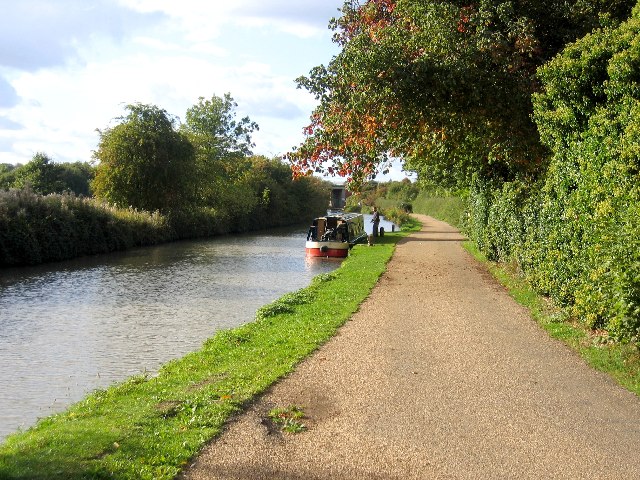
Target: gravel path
(439, 375)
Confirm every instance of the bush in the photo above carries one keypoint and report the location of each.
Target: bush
(36, 229)
(576, 233)
(396, 215)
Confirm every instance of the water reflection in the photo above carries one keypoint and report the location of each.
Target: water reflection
(71, 327)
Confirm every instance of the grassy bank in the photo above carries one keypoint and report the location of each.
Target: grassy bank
(38, 228)
(449, 209)
(621, 361)
(149, 427)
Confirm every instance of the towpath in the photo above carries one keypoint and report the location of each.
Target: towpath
(440, 375)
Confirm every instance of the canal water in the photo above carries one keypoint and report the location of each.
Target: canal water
(71, 327)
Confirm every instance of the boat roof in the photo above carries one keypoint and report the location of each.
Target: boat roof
(346, 216)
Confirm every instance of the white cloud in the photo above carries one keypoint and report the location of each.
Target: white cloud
(8, 94)
(8, 124)
(39, 33)
(205, 19)
(87, 59)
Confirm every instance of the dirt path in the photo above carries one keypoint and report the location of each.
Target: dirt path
(439, 375)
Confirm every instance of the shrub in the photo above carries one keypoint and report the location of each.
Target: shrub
(576, 233)
(396, 215)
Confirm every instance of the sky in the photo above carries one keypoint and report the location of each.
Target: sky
(69, 67)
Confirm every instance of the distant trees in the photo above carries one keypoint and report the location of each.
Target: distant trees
(40, 174)
(7, 175)
(172, 181)
(203, 166)
(76, 177)
(43, 176)
(150, 161)
(274, 198)
(386, 195)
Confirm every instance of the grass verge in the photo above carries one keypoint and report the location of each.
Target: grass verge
(449, 209)
(149, 427)
(621, 361)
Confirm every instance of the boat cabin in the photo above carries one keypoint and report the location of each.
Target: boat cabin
(334, 234)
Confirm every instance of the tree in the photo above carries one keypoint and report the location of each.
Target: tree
(43, 176)
(214, 130)
(40, 174)
(145, 162)
(7, 175)
(279, 200)
(221, 144)
(76, 177)
(445, 85)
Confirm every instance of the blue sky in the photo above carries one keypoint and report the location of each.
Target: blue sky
(68, 67)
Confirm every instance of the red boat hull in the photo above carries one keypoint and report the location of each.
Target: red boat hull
(327, 249)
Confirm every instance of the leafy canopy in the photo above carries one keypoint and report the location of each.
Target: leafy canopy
(222, 145)
(214, 130)
(44, 176)
(444, 85)
(145, 162)
(40, 174)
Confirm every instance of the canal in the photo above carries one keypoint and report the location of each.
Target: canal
(71, 327)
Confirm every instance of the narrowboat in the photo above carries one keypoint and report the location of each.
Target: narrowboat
(334, 234)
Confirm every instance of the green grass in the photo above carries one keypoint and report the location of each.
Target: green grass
(621, 361)
(288, 419)
(449, 209)
(149, 427)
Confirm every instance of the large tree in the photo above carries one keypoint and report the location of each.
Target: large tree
(222, 144)
(445, 85)
(145, 162)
